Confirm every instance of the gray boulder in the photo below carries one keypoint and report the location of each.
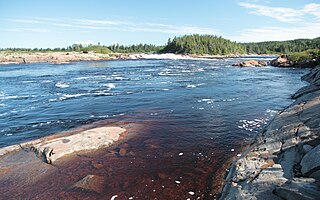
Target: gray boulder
(299, 189)
(311, 161)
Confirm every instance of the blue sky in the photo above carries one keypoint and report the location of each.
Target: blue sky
(59, 23)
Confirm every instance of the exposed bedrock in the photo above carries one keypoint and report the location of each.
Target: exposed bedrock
(285, 61)
(50, 149)
(251, 63)
(284, 160)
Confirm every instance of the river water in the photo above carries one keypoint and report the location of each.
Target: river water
(199, 113)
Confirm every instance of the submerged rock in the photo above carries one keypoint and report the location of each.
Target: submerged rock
(91, 183)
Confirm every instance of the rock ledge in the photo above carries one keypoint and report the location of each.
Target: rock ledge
(283, 162)
(50, 149)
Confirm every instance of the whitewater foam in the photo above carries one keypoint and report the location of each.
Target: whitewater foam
(110, 86)
(82, 78)
(191, 86)
(3, 114)
(46, 81)
(62, 85)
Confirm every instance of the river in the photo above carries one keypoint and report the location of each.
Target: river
(197, 113)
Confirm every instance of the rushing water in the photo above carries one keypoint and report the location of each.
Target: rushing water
(198, 111)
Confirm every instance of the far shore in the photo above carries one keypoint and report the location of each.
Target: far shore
(68, 57)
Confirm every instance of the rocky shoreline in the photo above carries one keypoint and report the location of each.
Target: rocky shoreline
(283, 162)
(68, 57)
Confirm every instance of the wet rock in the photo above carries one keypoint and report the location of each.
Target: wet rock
(311, 161)
(91, 183)
(312, 77)
(307, 63)
(162, 175)
(122, 152)
(251, 63)
(299, 189)
(315, 175)
(97, 165)
(152, 143)
(307, 148)
(306, 90)
(288, 159)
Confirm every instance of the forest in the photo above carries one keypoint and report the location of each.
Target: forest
(208, 44)
(139, 48)
(289, 46)
(202, 44)
(191, 44)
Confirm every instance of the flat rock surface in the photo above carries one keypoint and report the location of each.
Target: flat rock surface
(90, 139)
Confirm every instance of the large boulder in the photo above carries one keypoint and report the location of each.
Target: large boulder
(307, 63)
(91, 139)
(251, 63)
(281, 61)
(311, 161)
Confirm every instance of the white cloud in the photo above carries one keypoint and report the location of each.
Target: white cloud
(313, 9)
(171, 29)
(31, 21)
(98, 22)
(309, 30)
(308, 26)
(128, 26)
(37, 30)
(281, 14)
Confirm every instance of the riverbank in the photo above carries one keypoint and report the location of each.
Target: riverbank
(67, 57)
(283, 162)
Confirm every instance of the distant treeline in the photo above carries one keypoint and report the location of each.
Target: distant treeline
(208, 44)
(192, 44)
(202, 44)
(116, 48)
(139, 48)
(289, 46)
